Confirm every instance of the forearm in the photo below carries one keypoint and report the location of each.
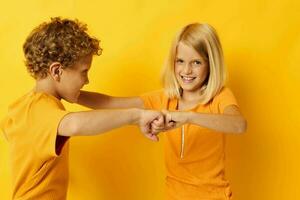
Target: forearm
(97, 121)
(93, 100)
(101, 101)
(219, 122)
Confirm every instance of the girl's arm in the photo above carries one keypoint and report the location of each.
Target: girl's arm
(231, 121)
(98, 121)
(95, 100)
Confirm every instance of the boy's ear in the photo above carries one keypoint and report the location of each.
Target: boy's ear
(55, 70)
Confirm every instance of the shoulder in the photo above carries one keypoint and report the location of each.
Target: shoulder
(34, 102)
(224, 93)
(154, 99)
(223, 98)
(33, 112)
(45, 100)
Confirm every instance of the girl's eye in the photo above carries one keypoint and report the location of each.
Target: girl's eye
(179, 61)
(197, 62)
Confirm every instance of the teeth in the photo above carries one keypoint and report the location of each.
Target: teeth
(187, 78)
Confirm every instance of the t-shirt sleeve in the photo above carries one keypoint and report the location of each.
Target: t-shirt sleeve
(223, 99)
(153, 100)
(44, 121)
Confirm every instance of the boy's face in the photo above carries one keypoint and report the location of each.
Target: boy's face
(74, 78)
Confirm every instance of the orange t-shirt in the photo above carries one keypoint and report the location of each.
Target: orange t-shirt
(39, 158)
(194, 155)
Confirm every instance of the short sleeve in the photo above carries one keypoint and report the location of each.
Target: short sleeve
(153, 100)
(223, 99)
(43, 122)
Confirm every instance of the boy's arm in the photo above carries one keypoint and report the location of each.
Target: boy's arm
(101, 101)
(98, 121)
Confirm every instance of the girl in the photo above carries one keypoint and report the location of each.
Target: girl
(202, 108)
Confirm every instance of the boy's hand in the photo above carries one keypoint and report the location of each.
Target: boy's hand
(158, 125)
(147, 118)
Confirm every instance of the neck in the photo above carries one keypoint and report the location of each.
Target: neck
(190, 96)
(46, 85)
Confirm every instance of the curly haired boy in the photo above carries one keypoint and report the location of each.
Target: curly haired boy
(58, 54)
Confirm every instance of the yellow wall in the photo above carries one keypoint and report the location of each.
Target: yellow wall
(261, 40)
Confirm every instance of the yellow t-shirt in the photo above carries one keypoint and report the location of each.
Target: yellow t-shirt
(39, 157)
(194, 155)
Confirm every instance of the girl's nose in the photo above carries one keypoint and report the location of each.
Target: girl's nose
(187, 69)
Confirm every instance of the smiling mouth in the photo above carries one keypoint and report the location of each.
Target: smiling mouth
(187, 79)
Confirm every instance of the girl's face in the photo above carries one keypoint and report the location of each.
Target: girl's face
(191, 69)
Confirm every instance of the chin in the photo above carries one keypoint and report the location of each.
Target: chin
(189, 90)
(189, 87)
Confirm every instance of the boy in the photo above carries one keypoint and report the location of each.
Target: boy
(58, 54)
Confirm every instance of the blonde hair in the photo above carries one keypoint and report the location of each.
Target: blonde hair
(204, 39)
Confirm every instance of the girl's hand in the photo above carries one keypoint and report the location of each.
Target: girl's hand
(175, 119)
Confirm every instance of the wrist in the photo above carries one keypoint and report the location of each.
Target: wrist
(135, 115)
(189, 117)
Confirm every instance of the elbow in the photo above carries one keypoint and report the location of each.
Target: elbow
(241, 126)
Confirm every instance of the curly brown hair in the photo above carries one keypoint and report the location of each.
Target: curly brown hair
(60, 40)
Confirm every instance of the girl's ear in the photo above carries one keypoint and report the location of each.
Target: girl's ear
(55, 70)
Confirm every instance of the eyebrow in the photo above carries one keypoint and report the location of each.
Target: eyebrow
(195, 59)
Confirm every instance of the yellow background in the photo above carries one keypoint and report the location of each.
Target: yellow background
(261, 41)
